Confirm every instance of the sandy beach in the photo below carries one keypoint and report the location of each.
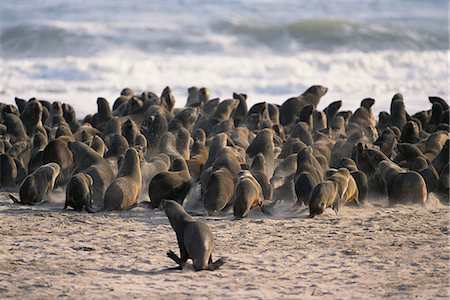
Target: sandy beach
(399, 252)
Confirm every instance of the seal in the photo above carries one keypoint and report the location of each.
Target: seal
(248, 194)
(39, 143)
(339, 189)
(117, 146)
(8, 172)
(87, 160)
(124, 191)
(258, 171)
(173, 185)
(79, 192)
(38, 184)
(402, 186)
(218, 191)
(309, 173)
(263, 143)
(130, 130)
(387, 142)
(195, 239)
(153, 128)
(290, 108)
(167, 98)
(14, 128)
(282, 180)
(331, 111)
(58, 151)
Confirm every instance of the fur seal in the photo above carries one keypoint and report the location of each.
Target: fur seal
(158, 163)
(387, 142)
(402, 186)
(31, 117)
(153, 128)
(224, 110)
(93, 164)
(117, 146)
(130, 130)
(282, 180)
(259, 173)
(185, 118)
(263, 143)
(14, 128)
(174, 184)
(79, 192)
(167, 98)
(290, 108)
(58, 151)
(338, 189)
(331, 111)
(38, 184)
(218, 191)
(195, 239)
(248, 194)
(8, 172)
(302, 131)
(124, 191)
(309, 173)
(241, 110)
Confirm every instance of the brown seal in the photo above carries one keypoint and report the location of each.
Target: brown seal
(124, 191)
(195, 239)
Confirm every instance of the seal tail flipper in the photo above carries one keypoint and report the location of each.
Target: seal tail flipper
(176, 259)
(14, 199)
(215, 265)
(265, 210)
(336, 205)
(90, 209)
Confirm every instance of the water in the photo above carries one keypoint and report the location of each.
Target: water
(271, 50)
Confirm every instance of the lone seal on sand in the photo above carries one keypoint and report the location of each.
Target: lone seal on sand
(195, 239)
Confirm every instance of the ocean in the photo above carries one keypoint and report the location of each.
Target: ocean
(76, 51)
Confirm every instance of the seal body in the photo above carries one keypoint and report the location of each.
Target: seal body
(38, 184)
(195, 238)
(172, 185)
(124, 191)
(248, 194)
(79, 192)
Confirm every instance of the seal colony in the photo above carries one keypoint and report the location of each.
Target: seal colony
(289, 158)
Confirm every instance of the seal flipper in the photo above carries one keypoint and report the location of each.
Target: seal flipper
(176, 259)
(215, 265)
(265, 210)
(336, 205)
(14, 199)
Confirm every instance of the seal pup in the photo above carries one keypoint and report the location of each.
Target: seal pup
(8, 172)
(58, 151)
(87, 160)
(218, 191)
(174, 184)
(263, 143)
(124, 191)
(195, 239)
(338, 189)
(38, 184)
(258, 171)
(248, 194)
(79, 192)
(402, 186)
(282, 180)
(309, 173)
